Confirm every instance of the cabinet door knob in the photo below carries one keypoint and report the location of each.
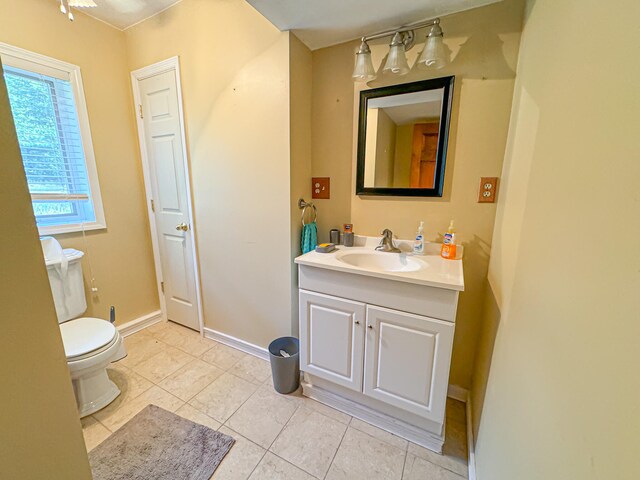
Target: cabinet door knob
(357, 322)
(370, 326)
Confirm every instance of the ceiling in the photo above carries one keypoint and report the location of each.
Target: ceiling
(322, 23)
(125, 13)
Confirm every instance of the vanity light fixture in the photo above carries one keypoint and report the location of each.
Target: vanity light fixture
(66, 9)
(403, 39)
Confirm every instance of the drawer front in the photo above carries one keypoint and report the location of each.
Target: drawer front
(407, 360)
(332, 338)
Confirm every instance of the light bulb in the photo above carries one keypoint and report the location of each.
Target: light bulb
(63, 9)
(363, 70)
(396, 60)
(70, 16)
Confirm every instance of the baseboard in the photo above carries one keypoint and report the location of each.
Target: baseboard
(458, 393)
(471, 460)
(236, 343)
(140, 323)
(374, 417)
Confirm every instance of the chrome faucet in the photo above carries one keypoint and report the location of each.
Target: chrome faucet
(386, 244)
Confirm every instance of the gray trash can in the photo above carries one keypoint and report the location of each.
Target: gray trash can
(285, 370)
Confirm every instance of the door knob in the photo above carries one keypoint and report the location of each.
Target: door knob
(182, 226)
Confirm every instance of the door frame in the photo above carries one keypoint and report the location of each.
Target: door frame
(169, 65)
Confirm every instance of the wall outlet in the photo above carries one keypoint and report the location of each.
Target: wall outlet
(488, 189)
(321, 187)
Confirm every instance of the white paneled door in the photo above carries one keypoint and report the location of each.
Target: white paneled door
(407, 360)
(332, 330)
(160, 118)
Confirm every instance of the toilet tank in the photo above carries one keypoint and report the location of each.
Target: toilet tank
(65, 277)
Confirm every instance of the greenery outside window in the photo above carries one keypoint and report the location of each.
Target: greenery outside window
(49, 112)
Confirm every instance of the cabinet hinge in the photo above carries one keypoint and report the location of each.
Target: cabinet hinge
(153, 206)
(162, 286)
(140, 110)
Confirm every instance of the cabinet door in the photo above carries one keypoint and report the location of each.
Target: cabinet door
(407, 361)
(332, 338)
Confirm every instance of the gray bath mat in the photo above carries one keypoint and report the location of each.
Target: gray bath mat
(156, 444)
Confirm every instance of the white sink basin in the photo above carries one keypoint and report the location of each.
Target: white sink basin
(381, 261)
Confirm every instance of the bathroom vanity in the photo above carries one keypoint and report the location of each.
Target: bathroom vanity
(376, 334)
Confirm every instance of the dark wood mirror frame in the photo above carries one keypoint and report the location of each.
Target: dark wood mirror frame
(443, 137)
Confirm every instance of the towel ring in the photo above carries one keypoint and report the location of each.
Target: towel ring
(304, 205)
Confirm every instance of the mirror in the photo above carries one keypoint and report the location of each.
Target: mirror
(402, 138)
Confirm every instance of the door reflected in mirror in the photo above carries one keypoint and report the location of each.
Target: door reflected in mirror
(402, 138)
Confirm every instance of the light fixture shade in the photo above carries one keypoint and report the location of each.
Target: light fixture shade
(363, 70)
(434, 54)
(82, 3)
(396, 60)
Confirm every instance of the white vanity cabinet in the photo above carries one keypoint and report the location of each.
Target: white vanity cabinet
(378, 348)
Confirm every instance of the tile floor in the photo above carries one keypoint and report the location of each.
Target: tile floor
(277, 436)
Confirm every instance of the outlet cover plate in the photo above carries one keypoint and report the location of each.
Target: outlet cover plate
(321, 187)
(488, 189)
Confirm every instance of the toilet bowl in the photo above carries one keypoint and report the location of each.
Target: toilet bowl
(90, 344)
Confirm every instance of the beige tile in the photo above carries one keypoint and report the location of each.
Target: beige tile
(364, 457)
(184, 339)
(129, 382)
(449, 462)
(243, 457)
(455, 443)
(263, 416)
(156, 328)
(456, 411)
(309, 441)
(190, 413)
(191, 379)
(416, 468)
(163, 364)
(252, 369)
(94, 432)
(223, 397)
(117, 414)
(140, 347)
(272, 467)
(222, 356)
(319, 407)
(380, 434)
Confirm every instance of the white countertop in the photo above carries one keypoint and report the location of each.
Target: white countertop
(436, 272)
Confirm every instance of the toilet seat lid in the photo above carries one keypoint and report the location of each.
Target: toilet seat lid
(84, 335)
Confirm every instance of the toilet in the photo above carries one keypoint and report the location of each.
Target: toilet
(90, 344)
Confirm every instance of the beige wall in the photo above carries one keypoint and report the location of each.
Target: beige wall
(235, 80)
(331, 127)
(385, 150)
(484, 44)
(40, 433)
(300, 78)
(563, 388)
(121, 256)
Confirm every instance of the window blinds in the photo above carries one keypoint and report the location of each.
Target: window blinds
(51, 144)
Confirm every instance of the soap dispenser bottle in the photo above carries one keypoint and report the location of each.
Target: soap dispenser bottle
(418, 244)
(448, 249)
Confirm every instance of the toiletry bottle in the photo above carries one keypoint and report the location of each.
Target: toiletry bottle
(418, 244)
(448, 249)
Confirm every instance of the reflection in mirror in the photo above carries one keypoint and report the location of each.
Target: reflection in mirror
(402, 142)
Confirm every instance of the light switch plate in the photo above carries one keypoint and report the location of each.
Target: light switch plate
(321, 187)
(488, 189)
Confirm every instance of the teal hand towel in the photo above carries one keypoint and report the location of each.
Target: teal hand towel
(309, 237)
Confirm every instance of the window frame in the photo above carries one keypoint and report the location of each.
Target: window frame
(35, 62)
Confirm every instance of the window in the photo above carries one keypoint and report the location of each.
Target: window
(49, 112)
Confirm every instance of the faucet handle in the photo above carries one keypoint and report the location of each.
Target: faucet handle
(386, 232)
